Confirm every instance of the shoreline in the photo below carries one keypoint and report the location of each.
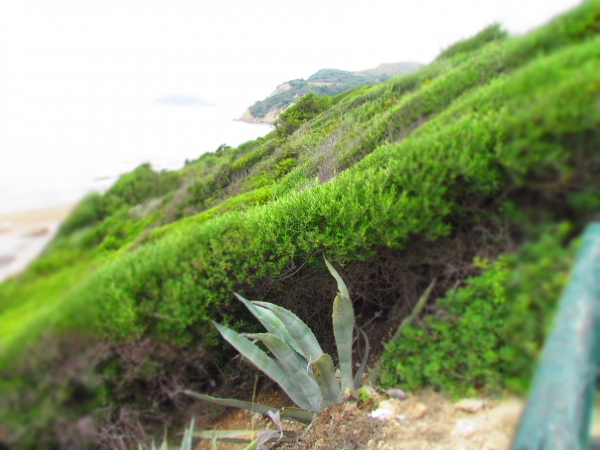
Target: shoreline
(23, 220)
(24, 236)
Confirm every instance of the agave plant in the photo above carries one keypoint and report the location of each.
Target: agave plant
(186, 442)
(299, 365)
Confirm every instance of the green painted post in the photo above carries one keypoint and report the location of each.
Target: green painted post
(559, 409)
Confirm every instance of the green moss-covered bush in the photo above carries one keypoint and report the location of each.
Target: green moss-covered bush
(485, 335)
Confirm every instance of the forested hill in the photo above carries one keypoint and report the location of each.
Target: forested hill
(475, 174)
(324, 82)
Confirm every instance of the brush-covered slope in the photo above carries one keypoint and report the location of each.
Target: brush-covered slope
(479, 171)
(323, 82)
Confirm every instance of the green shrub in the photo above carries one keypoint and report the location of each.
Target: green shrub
(137, 186)
(486, 335)
(489, 34)
(86, 213)
(301, 112)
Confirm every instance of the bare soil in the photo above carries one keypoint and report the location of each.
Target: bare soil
(427, 420)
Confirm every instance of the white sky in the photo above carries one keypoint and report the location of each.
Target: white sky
(67, 54)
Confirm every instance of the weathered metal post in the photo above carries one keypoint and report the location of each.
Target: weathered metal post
(560, 405)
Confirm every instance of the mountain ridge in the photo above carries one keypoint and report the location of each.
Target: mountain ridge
(323, 82)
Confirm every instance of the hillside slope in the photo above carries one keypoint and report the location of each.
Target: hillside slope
(323, 82)
(479, 171)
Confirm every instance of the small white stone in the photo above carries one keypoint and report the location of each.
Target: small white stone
(381, 414)
(464, 428)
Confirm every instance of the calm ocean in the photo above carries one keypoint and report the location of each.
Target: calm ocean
(45, 163)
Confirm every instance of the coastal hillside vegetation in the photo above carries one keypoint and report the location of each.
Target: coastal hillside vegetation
(478, 171)
(327, 82)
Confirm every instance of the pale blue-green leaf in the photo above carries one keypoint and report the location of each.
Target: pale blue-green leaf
(343, 326)
(341, 285)
(415, 312)
(284, 354)
(324, 373)
(265, 363)
(243, 436)
(295, 414)
(271, 323)
(359, 373)
(186, 443)
(305, 338)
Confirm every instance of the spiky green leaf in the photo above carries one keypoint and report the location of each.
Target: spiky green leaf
(265, 363)
(188, 436)
(324, 373)
(285, 356)
(241, 436)
(295, 414)
(415, 312)
(299, 331)
(271, 323)
(341, 285)
(343, 325)
(359, 373)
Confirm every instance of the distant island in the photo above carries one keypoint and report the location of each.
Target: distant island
(323, 82)
(183, 100)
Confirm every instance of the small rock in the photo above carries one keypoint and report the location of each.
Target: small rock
(464, 428)
(401, 417)
(388, 406)
(380, 414)
(397, 393)
(385, 411)
(419, 411)
(470, 405)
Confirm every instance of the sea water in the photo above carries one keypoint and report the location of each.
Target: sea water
(47, 161)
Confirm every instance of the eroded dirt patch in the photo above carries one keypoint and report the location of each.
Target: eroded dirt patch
(424, 421)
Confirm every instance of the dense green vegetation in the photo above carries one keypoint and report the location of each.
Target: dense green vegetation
(326, 82)
(480, 170)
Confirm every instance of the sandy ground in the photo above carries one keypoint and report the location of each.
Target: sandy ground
(426, 421)
(23, 236)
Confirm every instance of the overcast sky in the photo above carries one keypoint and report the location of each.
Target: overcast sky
(58, 54)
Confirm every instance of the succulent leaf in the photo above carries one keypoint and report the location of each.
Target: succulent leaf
(299, 331)
(295, 414)
(415, 312)
(341, 285)
(359, 373)
(343, 325)
(271, 323)
(265, 363)
(240, 436)
(188, 436)
(324, 373)
(284, 354)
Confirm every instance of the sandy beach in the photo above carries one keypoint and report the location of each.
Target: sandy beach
(24, 235)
